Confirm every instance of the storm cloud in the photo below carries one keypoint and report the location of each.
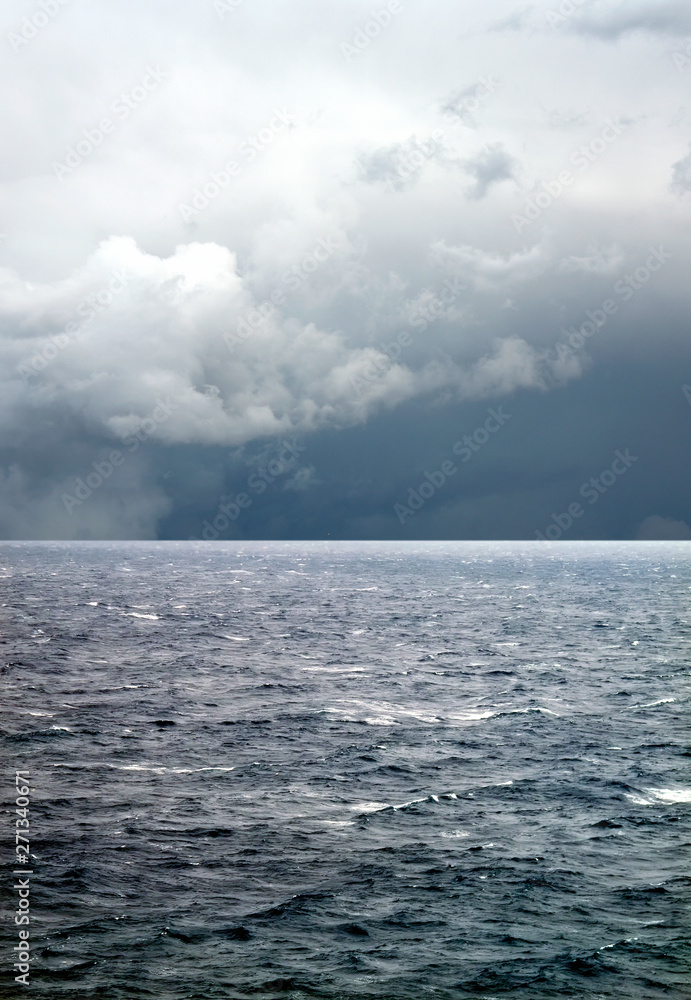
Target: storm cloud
(246, 268)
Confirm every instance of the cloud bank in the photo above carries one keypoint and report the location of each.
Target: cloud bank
(221, 233)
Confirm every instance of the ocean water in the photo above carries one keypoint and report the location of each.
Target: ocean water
(358, 770)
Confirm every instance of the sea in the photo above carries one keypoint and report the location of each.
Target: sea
(329, 771)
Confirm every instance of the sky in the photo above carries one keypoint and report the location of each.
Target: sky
(348, 270)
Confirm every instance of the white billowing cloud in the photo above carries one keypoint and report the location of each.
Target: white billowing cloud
(596, 260)
(656, 528)
(489, 270)
(139, 353)
(181, 347)
(514, 364)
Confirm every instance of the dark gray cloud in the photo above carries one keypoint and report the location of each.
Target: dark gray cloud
(607, 20)
(681, 175)
(610, 22)
(490, 166)
(530, 469)
(400, 165)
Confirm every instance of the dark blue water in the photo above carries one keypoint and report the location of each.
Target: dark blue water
(356, 770)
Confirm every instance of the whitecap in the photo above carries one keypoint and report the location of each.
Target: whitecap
(524, 711)
(413, 802)
(236, 638)
(160, 769)
(670, 795)
(606, 947)
(331, 670)
(138, 767)
(638, 801)
(196, 770)
(136, 614)
(655, 796)
(471, 716)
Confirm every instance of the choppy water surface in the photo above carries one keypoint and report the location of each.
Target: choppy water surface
(356, 770)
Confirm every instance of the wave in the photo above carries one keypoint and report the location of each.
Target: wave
(654, 796)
